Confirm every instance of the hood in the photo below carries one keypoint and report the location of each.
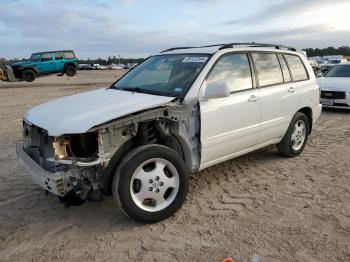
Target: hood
(24, 63)
(78, 113)
(341, 84)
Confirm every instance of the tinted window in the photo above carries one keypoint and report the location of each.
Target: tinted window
(69, 55)
(46, 57)
(296, 67)
(339, 71)
(58, 55)
(268, 69)
(235, 70)
(285, 71)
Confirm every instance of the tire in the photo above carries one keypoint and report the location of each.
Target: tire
(28, 75)
(71, 70)
(141, 184)
(295, 139)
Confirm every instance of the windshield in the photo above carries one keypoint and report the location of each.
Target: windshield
(333, 62)
(168, 75)
(34, 57)
(339, 71)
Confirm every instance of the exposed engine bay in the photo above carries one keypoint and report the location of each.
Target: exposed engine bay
(87, 162)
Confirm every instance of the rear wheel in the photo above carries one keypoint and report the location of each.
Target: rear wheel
(28, 75)
(150, 183)
(71, 70)
(294, 140)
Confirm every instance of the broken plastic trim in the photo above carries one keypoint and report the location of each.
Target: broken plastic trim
(75, 163)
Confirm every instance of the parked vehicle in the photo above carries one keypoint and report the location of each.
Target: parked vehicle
(43, 64)
(325, 67)
(83, 66)
(335, 87)
(101, 67)
(315, 66)
(177, 112)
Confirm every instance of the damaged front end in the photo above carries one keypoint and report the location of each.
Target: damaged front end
(77, 167)
(7, 74)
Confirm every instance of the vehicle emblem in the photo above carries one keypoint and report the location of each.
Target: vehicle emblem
(328, 94)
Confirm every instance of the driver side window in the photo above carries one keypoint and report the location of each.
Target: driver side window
(46, 57)
(235, 70)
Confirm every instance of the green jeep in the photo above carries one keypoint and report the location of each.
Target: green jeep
(42, 64)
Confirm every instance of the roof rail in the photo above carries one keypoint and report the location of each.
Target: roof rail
(231, 45)
(253, 44)
(189, 47)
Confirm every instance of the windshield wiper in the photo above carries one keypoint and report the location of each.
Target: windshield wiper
(133, 89)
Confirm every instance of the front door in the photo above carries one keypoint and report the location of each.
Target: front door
(47, 64)
(230, 125)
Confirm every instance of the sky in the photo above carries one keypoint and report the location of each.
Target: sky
(139, 28)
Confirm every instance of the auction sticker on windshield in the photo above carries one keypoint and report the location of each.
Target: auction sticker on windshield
(195, 59)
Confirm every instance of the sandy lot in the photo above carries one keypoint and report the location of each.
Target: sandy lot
(276, 208)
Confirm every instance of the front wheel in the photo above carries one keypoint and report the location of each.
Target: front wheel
(151, 183)
(28, 75)
(295, 139)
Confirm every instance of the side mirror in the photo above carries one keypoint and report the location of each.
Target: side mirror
(216, 89)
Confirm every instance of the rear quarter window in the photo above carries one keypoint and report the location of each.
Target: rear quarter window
(296, 67)
(69, 55)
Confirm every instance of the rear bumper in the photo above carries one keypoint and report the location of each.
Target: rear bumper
(316, 113)
(52, 182)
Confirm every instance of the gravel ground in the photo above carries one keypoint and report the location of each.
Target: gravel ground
(262, 204)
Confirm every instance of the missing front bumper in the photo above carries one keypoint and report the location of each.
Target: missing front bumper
(55, 183)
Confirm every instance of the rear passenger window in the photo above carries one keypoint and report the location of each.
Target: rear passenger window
(268, 69)
(296, 67)
(235, 70)
(69, 55)
(285, 71)
(58, 55)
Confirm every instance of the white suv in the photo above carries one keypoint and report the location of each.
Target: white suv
(179, 111)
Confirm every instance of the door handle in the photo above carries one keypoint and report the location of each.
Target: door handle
(291, 89)
(253, 98)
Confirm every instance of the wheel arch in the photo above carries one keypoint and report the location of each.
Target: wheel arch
(170, 141)
(30, 68)
(69, 64)
(308, 112)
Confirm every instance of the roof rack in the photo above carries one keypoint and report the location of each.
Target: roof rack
(253, 44)
(231, 45)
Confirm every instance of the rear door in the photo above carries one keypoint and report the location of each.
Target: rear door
(230, 125)
(279, 100)
(59, 61)
(47, 63)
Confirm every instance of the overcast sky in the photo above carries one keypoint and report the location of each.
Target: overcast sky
(138, 28)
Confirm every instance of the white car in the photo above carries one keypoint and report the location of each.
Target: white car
(176, 113)
(335, 87)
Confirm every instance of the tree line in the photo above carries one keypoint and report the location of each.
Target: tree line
(343, 50)
(110, 60)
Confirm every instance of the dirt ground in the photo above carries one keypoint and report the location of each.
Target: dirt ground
(261, 204)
